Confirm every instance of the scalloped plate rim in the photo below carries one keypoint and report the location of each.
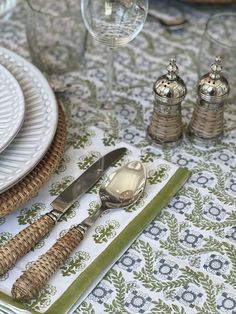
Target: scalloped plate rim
(17, 123)
(32, 161)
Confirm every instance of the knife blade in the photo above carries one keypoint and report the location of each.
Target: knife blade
(26, 239)
(85, 181)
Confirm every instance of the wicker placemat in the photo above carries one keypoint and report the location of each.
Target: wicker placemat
(30, 185)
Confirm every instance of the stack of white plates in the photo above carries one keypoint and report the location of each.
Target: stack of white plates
(28, 118)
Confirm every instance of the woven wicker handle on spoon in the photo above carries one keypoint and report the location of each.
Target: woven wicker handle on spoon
(28, 285)
(24, 241)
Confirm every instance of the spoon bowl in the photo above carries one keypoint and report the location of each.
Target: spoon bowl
(124, 186)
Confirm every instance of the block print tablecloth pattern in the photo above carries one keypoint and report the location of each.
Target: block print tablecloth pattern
(184, 261)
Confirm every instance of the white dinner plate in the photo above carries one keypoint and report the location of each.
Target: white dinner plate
(40, 122)
(12, 107)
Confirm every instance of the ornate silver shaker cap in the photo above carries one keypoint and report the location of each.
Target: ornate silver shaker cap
(213, 86)
(170, 88)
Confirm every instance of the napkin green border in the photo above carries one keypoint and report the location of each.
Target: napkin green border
(76, 289)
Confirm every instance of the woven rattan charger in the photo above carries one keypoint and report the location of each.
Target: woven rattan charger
(30, 185)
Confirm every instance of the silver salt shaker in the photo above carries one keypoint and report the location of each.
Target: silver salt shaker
(207, 122)
(166, 122)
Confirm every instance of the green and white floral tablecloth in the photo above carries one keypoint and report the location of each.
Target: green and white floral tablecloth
(185, 260)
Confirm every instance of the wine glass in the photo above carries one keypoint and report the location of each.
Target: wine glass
(113, 23)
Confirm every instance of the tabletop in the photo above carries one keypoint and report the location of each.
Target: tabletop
(185, 260)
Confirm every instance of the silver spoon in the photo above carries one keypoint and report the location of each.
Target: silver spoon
(123, 188)
(171, 23)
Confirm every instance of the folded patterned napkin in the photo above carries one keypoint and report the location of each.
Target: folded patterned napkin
(105, 241)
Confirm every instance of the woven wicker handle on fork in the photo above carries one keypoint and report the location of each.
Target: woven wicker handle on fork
(23, 242)
(28, 285)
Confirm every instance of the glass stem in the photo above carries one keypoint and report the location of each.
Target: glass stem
(110, 73)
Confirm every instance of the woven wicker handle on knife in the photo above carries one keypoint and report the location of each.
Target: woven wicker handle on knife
(23, 242)
(28, 285)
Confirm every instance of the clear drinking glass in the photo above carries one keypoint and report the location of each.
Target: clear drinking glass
(113, 23)
(6, 8)
(219, 39)
(56, 35)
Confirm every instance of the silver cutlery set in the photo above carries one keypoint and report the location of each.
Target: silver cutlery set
(122, 188)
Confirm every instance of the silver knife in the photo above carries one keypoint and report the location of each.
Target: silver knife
(26, 239)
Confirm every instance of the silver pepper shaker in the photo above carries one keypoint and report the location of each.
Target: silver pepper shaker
(207, 122)
(166, 122)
